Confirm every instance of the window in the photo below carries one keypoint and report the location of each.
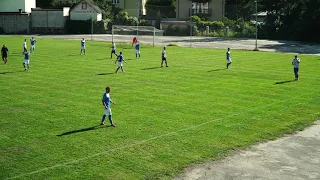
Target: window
(84, 5)
(115, 1)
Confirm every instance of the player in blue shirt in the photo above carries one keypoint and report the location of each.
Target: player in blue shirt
(137, 49)
(120, 59)
(83, 46)
(106, 102)
(26, 60)
(33, 44)
(113, 49)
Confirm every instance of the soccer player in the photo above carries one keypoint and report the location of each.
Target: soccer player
(106, 102)
(228, 58)
(26, 60)
(120, 59)
(164, 57)
(25, 44)
(4, 54)
(134, 41)
(296, 63)
(137, 49)
(113, 49)
(33, 44)
(83, 47)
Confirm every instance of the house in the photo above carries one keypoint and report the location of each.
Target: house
(213, 10)
(86, 10)
(21, 6)
(133, 7)
(44, 20)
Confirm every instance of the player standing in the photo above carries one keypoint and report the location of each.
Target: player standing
(113, 49)
(164, 57)
(83, 46)
(134, 41)
(106, 102)
(228, 58)
(138, 50)
(33, 44)
(25, 44)
(120, 59)
(4, 54)
(296, 63)
(26, 60)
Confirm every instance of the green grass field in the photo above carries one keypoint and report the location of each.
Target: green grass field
(167, 118)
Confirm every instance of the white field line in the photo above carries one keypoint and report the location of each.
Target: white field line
(150, 139)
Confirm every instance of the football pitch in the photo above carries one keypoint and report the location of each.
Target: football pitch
(167, 118)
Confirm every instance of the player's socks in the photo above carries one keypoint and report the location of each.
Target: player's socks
(103, 118)
(110, 119)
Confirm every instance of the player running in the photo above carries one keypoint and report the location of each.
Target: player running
(164, 57)
(296, 64)
(120, 59)
(113, 49)
(26, 60)
(138, 50)
(228, 58)
(4, 54)
(83, 46)
(33, 44)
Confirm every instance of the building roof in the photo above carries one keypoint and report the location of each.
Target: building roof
(91, 3)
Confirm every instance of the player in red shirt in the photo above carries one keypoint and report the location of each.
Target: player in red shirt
(134, 41)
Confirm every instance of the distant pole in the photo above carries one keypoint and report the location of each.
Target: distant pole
(138, 9)
(112, 33)
(190, 23)
(256, 48)
(91, 28)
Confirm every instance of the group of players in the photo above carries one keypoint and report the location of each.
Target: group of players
(26, 53)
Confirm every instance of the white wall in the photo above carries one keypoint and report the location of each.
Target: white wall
(52, 19)
(15, 5)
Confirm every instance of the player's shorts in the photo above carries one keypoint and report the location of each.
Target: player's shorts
(119, 64)
(26, 61)
(33, 46)
(83, 47)
(164, 58)
(113, 51)
(295, 70)
(107, 111)
(4, 56)
(137, 51)
(229, 61)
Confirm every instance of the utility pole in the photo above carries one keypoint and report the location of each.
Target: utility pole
(256, 48)
(138, 13)
(191, 26)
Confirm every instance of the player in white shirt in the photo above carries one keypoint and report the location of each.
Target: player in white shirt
(296, 64)
(228, 58)
(24, 44)
(83, 46)
(164, 57)
(113, 49)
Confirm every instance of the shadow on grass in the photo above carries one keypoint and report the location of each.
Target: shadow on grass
(6, 73)
(220, 69)
(83, 130)
(103, 74)
(103, 59)
(283, 82)
(151, 68)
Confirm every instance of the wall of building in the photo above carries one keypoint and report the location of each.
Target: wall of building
(47, 18)
(217, 7)
(77, 13)
(15, 5)
(15, 23)
(131, 6)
